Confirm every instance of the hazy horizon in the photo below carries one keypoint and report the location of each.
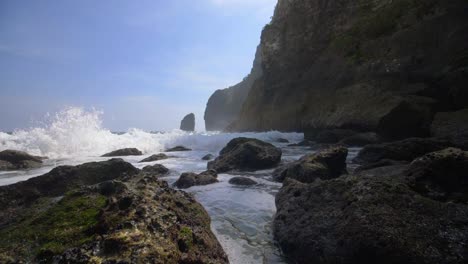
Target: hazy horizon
(143, 66)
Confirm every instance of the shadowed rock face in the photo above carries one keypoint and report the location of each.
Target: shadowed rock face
(453, 126)
(382, 65)
(224, 106)
(16, 160)
(188, 123)
(246, 154)
(104, 212)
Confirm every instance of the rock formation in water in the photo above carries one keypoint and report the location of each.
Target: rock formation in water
(103, 212)
(385, 66)
(18, 160)
(224, 106)
(188, 123)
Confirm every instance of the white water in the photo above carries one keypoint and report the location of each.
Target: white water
(241, 217)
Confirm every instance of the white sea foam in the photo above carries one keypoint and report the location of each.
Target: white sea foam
(75, 132)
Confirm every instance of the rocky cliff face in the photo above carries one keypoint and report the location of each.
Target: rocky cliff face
(380, 65)
(224, 106)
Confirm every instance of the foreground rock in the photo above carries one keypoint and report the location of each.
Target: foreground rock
(106, 212)
(124, 152)
(404, 150)
(243, 181)
(396, 214)
(18, 160)
(155, 157)
(246, 154)
(190, 179)
(178, 148)
(453, 126)
(325, 164)
(188, 123)
(156, 169)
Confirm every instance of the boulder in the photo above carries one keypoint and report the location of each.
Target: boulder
(155, 157)
(190, 179)
(373, 217)
(247, 154)
(157, 169)
(282, 140)
(122, 219)
(243, 181)
(361, 139)
(188, 123)
(441, 175)
(453, 126)
(178, 148)
(124, 152)
(325, 164)
(17, 160)
(208, 157)
(404, 150)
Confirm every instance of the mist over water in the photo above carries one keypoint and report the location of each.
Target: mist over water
(75, 132)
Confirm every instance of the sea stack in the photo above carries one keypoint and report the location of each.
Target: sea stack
(188, 123)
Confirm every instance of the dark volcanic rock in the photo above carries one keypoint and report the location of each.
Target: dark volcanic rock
(156, 169)
(452, 125)
(178, 148)
(246, 154)
(188, 123)
(155, 157)
(120, 220)
(244, 181)
(375, 64)
(123, 152)
(16, 160)
(441, 175)
(404, 150)
(190, 179)
(208, 157)
(376, 217)
(224, 106)
(329, 136)
(325, 164)
(361, 139)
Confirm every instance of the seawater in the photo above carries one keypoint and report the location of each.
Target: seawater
(241, 216)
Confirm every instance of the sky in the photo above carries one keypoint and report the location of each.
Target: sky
(144, 64)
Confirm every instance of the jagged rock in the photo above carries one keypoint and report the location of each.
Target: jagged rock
(376, 64)
(190, 179)
(208, 157)
(156, 169)
(404, 150)
(361, 139)
(124, 152)
(372, 217)
(441, 175)
(188, 123)
(123, 219)
(325, 164)
(223, 106)
(178, 148)
(243, 181)
(155, 157)
(246, 154)
(453, 126)
(17, 160)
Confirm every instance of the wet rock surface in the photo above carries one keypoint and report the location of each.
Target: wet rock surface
(453, 126)
(18, 160)
(155, 157)
(188, 123)
(190, 179)
(242, 181)
(178, 148)
(246, 154)
(124, 152)
(156, 169)
(208, 157)
(325, 164)
(103, 212)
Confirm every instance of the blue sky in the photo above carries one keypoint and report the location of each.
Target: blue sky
(144, 63)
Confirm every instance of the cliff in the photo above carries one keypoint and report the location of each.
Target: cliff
(378, 65)
(224, 106)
